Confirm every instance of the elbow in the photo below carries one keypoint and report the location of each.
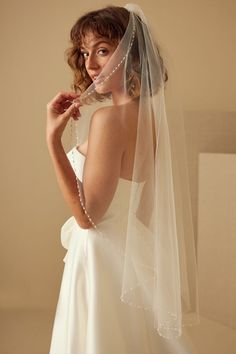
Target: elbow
(80, 217)
(84, 223)
(83, 220)
(86, 226)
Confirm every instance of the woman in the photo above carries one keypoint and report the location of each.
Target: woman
(125, 284)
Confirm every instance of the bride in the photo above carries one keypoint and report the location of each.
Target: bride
(124, 288)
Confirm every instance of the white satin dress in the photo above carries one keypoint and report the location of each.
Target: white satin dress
(90, 317)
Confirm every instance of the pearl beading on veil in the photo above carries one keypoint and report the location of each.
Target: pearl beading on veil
(89, 93)
(164, 300)
(115, 68)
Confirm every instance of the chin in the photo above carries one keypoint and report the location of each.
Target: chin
(102, 89)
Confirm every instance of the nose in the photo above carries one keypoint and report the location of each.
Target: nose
(91, 62)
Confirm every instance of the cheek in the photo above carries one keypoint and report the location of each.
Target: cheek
(104, 61)
(105, 88)
(117, 79)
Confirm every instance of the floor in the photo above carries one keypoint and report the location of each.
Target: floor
(29, 332)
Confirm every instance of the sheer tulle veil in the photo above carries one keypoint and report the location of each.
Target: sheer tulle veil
(160, 267)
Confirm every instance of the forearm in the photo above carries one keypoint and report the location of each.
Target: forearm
(67, 181)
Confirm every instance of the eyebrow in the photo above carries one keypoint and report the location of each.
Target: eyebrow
(97, 43)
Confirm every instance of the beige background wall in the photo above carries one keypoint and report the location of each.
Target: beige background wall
(216, 252)
(199, 37)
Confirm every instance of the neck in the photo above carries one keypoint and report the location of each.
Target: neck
(120, 98)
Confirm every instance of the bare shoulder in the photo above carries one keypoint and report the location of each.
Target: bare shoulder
(108, 116)
(118, 121)
(116, 117)
(107, 124)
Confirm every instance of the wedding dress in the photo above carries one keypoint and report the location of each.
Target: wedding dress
(90, 316)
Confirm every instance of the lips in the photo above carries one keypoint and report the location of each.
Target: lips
(94, 77)
(98, 79)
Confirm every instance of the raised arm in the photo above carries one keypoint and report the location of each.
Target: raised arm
(102, 165)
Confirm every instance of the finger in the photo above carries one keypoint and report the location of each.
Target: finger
(63, 96)
(75, 116)
(66, 104)
(77, 100)
(77, 112)
(73, 109)
(62, 107)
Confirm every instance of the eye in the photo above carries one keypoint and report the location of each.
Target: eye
(102, 51)
(84, 54)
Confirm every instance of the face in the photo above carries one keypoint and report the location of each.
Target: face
(97, 51)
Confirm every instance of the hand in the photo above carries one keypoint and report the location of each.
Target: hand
(59, 111)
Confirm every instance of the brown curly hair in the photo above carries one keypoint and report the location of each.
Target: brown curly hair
(109, 22)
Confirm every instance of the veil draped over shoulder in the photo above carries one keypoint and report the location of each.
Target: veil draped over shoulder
(160, 268)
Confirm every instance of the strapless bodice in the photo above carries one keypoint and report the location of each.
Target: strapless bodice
(120, 199)
(114, 222)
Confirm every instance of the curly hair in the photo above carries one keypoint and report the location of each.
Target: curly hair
(109, 22)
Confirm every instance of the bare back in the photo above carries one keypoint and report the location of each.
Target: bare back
(129, 123)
